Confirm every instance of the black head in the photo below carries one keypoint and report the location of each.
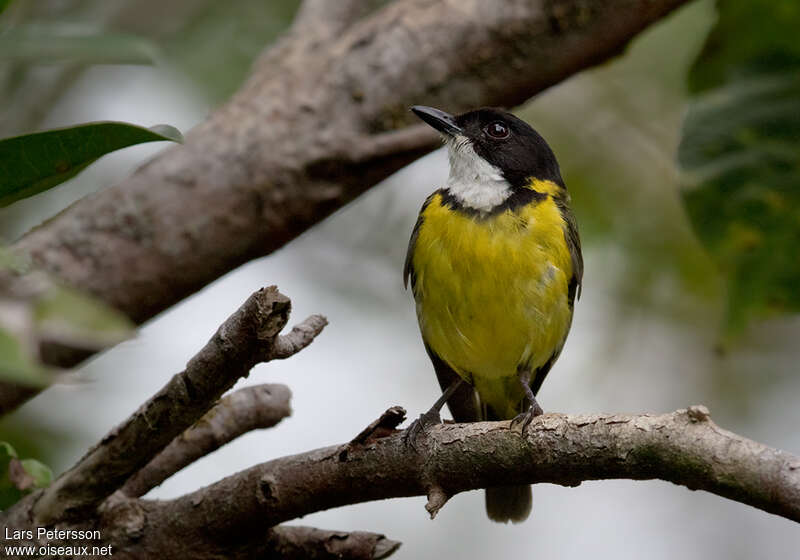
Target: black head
(503, 140)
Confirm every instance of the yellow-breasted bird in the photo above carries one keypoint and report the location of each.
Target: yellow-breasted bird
(495, 266)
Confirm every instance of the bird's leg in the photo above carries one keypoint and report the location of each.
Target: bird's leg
(430, 418)
(534, 409)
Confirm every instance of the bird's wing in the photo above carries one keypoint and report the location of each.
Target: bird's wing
(574, 246)
(408, 268)
(463, 404)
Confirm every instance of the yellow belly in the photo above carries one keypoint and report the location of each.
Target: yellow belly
(492, 294)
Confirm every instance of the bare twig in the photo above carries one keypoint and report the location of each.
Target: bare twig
(246, 338)
(382, 427)
(299, 337)
(385, 425)
(245, 410)
(310, 130)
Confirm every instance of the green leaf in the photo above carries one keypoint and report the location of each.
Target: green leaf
(740, 156)
(41, 473)
(4, 4)
(36, 162)
(62, 42)
(18, 478)
(70, 317)
(9, 493)
(16, 363)
(7, 451)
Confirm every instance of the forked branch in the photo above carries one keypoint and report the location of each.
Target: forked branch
(248, 337)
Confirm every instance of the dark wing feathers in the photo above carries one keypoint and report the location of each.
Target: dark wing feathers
(574, 246)
(463, 404)
(408, 268)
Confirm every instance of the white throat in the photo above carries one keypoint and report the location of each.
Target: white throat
(473, 181)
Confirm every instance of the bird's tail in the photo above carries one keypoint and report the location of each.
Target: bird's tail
(503, 503)
(508, 503)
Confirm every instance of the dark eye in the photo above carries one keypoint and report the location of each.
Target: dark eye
(497, 130)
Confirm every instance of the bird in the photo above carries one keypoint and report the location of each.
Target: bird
(495, 266)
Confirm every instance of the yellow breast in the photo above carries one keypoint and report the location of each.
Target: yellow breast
(491, 292)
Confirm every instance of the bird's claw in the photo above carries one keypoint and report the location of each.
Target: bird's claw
(525, 418)
(420, 426)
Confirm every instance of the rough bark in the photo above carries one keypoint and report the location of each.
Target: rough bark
(308, 543)
(684, 447)
(248, 337)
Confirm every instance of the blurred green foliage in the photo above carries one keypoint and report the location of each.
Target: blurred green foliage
(53, 315)
(19, 476)
(217, 45)
(68, 316)
(751, 38)
(59, 42)
(17, 365)
(34, 311)
(209, 44)
(33, 163)
(740, 153)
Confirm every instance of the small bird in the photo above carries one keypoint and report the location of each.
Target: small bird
(495, 266)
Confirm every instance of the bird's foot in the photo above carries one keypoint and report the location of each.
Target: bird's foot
(525, 418)
(420, 426)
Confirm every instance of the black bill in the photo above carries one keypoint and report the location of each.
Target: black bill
(441, 121)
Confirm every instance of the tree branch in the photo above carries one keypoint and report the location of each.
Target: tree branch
(231, 517)
(245, 410)
(683, 447)
(385, 425)
(246, 338)
(310, 130)
(310, 543)
(299, 337)
(325, 19)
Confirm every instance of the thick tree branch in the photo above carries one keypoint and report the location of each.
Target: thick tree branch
(683, 447)
(245, 410)
(310, 130)
(246, 338)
